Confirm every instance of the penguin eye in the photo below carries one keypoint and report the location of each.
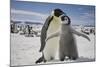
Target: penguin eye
(65, 18)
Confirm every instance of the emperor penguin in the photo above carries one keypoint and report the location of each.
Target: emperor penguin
(50, 47)
(67, 44)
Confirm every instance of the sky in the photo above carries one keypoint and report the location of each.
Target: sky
(38, 12)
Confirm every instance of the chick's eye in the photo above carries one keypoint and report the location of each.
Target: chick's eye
(65, 18)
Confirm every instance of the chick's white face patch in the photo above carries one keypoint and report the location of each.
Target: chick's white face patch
(64, 20)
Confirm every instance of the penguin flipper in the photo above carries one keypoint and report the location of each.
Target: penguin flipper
(80, 34)
(56, 34)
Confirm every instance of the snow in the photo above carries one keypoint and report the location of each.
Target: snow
(25, 50)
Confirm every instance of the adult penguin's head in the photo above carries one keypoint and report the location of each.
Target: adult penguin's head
(58, 12)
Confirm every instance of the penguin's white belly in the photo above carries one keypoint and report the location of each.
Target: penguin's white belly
(51, 48)
(52, 45)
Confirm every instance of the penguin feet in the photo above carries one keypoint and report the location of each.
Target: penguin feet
(39, 60)
(62, 59)
(72, 58)
(44, 61)
(51, 58)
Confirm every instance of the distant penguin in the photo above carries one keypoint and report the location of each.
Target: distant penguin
(50, 47)
(67, 45)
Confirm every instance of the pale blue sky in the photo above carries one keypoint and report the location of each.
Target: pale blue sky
(36, 11)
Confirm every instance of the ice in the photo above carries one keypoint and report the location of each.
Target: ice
(25, 50)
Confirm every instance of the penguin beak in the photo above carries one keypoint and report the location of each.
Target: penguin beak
(63, 14)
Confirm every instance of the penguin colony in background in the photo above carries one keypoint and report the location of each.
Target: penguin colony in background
(57, 34)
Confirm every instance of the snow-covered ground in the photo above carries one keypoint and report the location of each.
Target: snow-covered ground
(25, 50)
